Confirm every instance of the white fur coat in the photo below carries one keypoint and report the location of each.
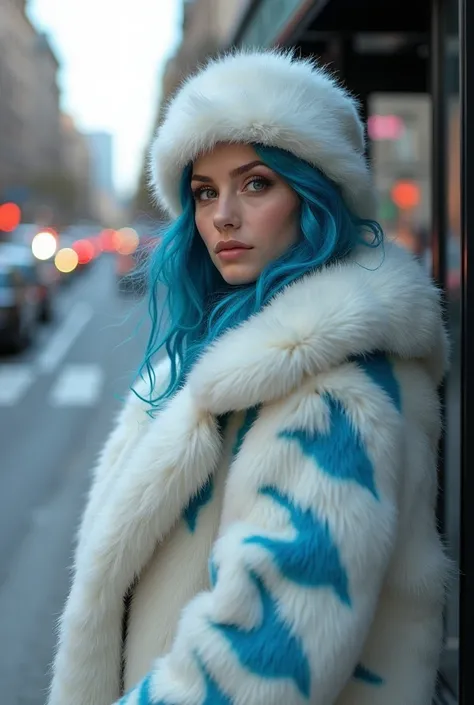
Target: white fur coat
(313, 504)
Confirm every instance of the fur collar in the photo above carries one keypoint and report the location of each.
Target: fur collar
(372, 301)
(369, 302)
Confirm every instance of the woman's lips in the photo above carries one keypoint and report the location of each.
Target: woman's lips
(233, 253)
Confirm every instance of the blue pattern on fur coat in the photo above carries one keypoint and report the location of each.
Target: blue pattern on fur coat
(327, 573)
(311, 559)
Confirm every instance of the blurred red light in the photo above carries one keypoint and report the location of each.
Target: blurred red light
(406, 194)
(97, 245)
(107, 240)
(85, 251)
(10, 217)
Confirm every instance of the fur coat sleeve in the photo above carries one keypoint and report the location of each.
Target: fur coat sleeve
(130, 424)
(309, 548)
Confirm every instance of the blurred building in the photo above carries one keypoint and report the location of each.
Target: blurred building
(76, 161)
(207, 27)
(101, 151)
(30, 139)
(101, 174)
(44, 107)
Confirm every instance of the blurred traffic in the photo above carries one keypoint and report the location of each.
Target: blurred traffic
(35, 263)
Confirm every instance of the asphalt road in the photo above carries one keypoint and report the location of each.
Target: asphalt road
(57, 404)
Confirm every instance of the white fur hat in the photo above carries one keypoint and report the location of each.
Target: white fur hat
(267, 97)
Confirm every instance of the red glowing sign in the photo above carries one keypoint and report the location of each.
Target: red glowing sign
(385, 127)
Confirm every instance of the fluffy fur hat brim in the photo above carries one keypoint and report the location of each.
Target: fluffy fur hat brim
(266, 97)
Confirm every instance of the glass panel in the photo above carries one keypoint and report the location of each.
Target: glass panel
(401, 156)
(453, 386)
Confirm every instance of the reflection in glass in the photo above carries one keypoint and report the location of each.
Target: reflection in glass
(401, 151)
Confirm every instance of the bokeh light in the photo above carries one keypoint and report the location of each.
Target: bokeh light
(107, 240)
(96, 243)
(66, 260)
(85, 251)
(406, 194)
(10, 217)
(126, 241)
(44, 245)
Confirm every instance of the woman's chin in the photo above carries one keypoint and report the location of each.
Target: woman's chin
(238, 274)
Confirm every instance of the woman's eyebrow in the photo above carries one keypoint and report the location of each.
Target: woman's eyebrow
(235, 172)
(246, 167)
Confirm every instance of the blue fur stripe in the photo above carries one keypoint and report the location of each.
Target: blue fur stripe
(362, 673)
(144, 696)
(214, 694)
(379, 368)
(311, 558)
(339, 452)
(197, 502)
(213, 572)
(251, 416)
(270, 650)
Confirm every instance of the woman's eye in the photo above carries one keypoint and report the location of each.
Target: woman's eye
(204, 194)
(257, 184)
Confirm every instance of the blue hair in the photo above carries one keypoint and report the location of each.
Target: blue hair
(199, 306)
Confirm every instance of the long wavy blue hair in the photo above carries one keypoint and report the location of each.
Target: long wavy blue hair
(190, 304)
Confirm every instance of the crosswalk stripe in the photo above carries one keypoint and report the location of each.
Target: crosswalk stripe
(15, 380)
(59, 344)
(78, 385)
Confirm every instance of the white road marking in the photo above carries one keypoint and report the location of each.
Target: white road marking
(77, 386)
(14, 383)
(58, 346)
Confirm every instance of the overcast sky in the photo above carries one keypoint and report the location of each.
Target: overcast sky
(111, 57)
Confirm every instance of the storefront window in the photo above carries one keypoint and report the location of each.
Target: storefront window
(401, 155)
(451, 494)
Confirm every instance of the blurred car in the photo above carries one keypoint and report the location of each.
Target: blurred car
(18, 308)
(42, 277)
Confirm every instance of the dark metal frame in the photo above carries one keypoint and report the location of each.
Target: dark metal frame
(438, 140)
(439, 216)
(466, 644)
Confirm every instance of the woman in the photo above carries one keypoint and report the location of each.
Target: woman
(261, 525)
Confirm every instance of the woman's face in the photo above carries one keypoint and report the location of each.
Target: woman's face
(246, 214)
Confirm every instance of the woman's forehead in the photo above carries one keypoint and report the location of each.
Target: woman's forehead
(225, 154)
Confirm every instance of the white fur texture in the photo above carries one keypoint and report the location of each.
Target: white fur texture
(289, 358)
(267, 97)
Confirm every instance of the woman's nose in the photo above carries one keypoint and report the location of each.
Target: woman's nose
(227, 216)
